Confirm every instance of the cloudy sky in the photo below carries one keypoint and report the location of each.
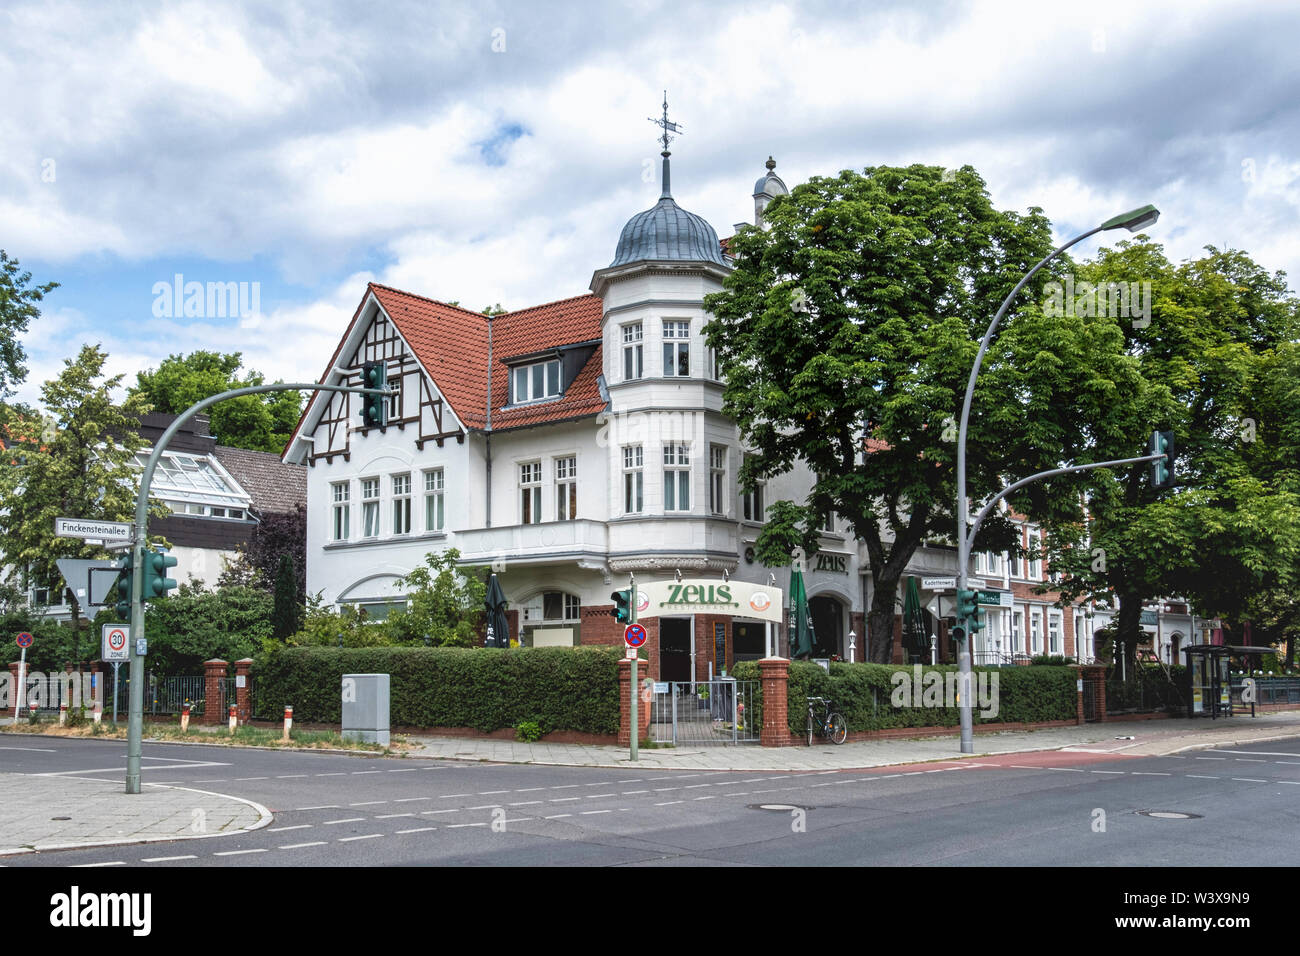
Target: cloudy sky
(491, 152)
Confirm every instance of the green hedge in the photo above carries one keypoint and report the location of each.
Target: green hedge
(484, 688)
(864, 693)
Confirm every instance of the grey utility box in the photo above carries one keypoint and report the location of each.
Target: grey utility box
(365, 708)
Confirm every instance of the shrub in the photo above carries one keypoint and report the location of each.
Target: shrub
(558, 688)
(529, 731)
(864, 694)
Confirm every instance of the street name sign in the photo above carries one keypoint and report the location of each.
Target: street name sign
(92, 528)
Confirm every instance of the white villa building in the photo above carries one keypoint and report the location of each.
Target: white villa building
(573, 442)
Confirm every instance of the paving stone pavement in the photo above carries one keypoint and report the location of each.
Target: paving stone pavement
(50, 812)
(1137, 737)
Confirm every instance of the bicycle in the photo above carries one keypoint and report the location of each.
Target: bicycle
(831, 725)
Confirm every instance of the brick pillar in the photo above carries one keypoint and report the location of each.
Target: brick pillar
(13, 684)
(1078, 673)
(214, 691)
(243, 704)
(775, 674)
(97, 679)
(625, 703)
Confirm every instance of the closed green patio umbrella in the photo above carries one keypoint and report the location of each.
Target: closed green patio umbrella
(915, 639)
(802, 637)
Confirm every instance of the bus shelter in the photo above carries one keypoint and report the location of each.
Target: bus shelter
(1209, 676)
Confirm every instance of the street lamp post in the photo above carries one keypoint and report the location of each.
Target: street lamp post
(1132, 221)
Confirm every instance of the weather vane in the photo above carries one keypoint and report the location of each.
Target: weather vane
(666, 125)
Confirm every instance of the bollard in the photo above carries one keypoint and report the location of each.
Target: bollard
(63, 715)
(98, 712)
(288, 722)
(234, 718)
(33, 708)
(185, 718)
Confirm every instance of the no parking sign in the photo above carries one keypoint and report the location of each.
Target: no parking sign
(113, 643)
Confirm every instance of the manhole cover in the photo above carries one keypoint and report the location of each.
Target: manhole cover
(777, 807)
(60, 818)
(1169, 815)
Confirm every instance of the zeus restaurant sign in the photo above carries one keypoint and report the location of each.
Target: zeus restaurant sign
(709, 597)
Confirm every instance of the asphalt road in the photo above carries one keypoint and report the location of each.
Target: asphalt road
(1054, 808)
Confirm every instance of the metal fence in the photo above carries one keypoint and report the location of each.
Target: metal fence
(167, 695)
(704, 713)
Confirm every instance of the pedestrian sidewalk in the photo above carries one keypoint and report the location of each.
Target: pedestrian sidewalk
(1136, 738)
(41, 812)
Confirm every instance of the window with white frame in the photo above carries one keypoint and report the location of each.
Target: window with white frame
(711, 367)
(552, 606)
(530, 492)
(342, 510)
(677, 347)
(828, 523)
(1035, 562)
(1035, 632)
(633, 480)
(633, 357)
(677, 477)
(434, 511)
(717, 479)
(566, 488)
(1055, 624)
(1018, 561)
(402, 504)
(752, 502)
(369, 507)
(531, 383)
(1017, 632)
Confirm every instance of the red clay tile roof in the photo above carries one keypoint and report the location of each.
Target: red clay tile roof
(452, 344)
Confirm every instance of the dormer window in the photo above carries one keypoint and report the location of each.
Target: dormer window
(531, 383)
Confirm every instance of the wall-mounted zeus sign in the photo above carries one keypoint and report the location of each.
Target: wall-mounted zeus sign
(709, 596)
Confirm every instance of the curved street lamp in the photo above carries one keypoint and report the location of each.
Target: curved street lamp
(1132, 220)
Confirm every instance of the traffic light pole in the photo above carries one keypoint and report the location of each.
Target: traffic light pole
(631, 617)
(135, 713)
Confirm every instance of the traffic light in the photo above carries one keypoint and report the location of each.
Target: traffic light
(968, 604)
(156, 582)
(123, 585)
(957, 634)
(968, 610)
(374, 408)
(622, 610)
(1162, 472)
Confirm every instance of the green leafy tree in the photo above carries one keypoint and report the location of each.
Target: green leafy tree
(445, 603)
(17, 309)
(258, 422)
(846, 333)
(1201, 364)
(79, 461)
(193, 625)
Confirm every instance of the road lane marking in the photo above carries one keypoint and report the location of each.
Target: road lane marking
(237, 852)
(1258, 753)
(290, 776)
(417, 830)
(1249, 780)
(167, 859)
(85, 865)
(557, 816)
(1201, 776)
(347, 820)
(368, 836)
(324, 806)
(367, 803)
(390, 816)
(588, 813)
(300, 826)
(669, 803)
(299, 846)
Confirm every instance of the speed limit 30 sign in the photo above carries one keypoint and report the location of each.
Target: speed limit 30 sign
(114, 643)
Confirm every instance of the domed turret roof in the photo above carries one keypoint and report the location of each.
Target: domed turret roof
(770, 185)
(667, 231)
